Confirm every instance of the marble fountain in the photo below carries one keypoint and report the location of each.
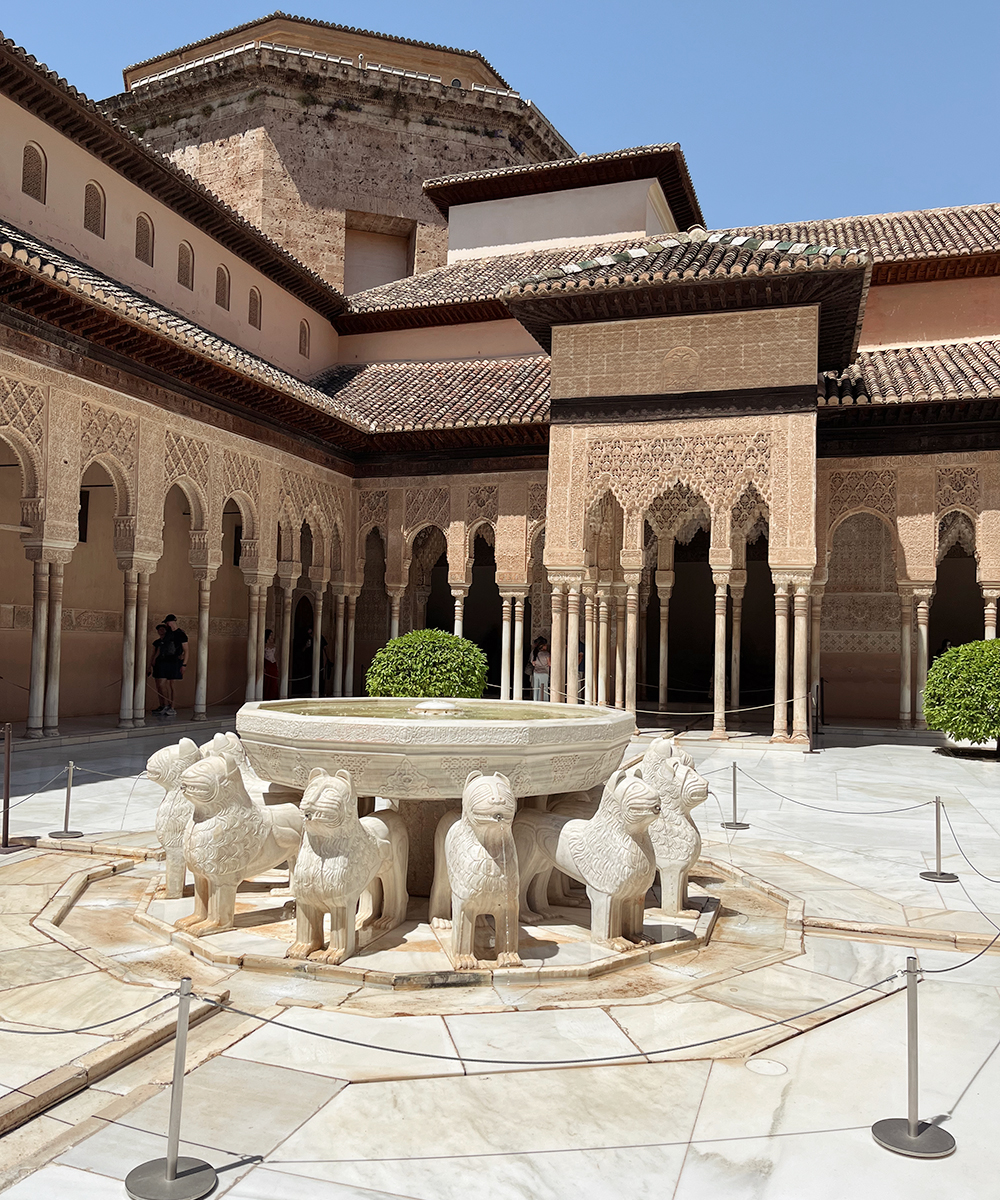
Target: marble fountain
(408, 843)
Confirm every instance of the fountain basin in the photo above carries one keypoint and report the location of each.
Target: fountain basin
(401, 754)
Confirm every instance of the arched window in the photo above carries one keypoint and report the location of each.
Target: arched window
(144, 239)
(222, 287)
(185, 266)
(253, 308)
(93, 208)
(304, 338)
(33, 172)
(456, 83)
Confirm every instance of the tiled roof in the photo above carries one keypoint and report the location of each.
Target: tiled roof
(965, 370)
(102, 291)
(683, 256)
(444, 394)
(663, 161)
(34, 87)
(889, 237)
(387, 37)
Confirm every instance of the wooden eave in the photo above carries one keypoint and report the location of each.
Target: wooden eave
(70, 114)
(839, 293)
(927, 270)
(383, 320)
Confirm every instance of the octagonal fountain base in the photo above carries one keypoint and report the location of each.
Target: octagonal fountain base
(414, 955)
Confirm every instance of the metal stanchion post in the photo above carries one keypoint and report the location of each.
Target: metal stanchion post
(174, 1177)
(735, 823)
(5, 846)
(66, 832)
(937, 875)
(909, 1135)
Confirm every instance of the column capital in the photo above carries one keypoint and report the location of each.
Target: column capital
(135, 562)
(459, 590)
(288, 573)
(205, 574)
(991, 593)
(663, 579)
(720, 579)
(514, 593)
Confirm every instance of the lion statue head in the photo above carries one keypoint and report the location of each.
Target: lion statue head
(636, 802)
(488, 805)
(672, 773)
(166, 766)
(226, 743)
(329, 801)
(213, 784)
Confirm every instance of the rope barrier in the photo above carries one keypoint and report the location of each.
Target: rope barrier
(844, 812)
(711, 712)
(988, 878)
(43, 788)
(547, 1062)
(87, 1028)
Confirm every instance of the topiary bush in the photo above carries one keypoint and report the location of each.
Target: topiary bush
(428, 663)
(962, 696)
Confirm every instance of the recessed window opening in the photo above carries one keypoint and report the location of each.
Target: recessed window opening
(93, 208)
(33, 172)
(222, 287)
(304, 338)
(253, 308)
(144, 239)
(185, 266)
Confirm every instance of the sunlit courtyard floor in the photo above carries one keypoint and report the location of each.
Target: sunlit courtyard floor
(751, 1066)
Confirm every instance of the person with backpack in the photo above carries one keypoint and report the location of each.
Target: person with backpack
(170, 653)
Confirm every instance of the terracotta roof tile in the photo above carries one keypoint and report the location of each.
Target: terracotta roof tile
(965, 370)
(444, 393)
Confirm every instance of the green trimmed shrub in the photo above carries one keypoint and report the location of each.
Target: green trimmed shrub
(428, 663)
(962, 696)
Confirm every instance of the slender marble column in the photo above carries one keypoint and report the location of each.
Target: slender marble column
(923, 598)
(603, 649)
(39, 650)
(736, 592)
(906, 659)
(131, 583)
(721, 581)
(780, 733)
(395, 600)
(588, 645)
(54, 650)
(317, 648)
(631, 645)
(338, 647)
(990, 597)
(620, 651)
(141, 650)
(815, 637)
(286, 638)
(800, 665)
(663, 590)
(517, 689)
(350, 604)
(505, 638)
(459, 595)
(573, 644)
(421, 595)
(201, 675)
(557, 647)
(261, 631)
(253, 590)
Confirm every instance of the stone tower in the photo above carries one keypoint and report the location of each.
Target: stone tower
(322, 135)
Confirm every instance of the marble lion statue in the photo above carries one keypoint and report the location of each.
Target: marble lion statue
(475, 871)
(229, 743)
(675, 837)
(228, 839)
(342, 857)
(611, 854)
(165, 767)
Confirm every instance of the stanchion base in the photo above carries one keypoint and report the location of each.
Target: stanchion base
(11, 849)
(735, 825)
(195, 1178)
(939, 876)
(66, 833)
(931, 1141)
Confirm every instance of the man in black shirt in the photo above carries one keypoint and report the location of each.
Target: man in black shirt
(169, 664)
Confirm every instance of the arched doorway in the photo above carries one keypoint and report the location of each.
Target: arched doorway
(372, 622)
(956, 613)
(300, 680)
(15, 592)
(483, 622)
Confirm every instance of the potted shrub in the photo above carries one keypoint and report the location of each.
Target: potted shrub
(962, 696)
(428, 663)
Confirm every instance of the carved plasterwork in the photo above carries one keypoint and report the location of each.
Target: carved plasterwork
(857, 491)
(105, 431)
(956, 529)
(372, 508)
(482, 504)
(537, 494)
(860, 613)
(958, 486)
(427, 506)
(22, 412)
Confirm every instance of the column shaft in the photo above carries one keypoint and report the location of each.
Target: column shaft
(906, 659)
(662, 692)
(286, 640)
(395, 599)
(603, 647)
(990, 597)
(735, 652)
(719, 677)
(517, 684)
(505, 650)
(54, 650)
(923, 652)
(338, 647)
(131, 584)
(261, 631)
(141, 649)
(252, 615)
(573, 645)
(588, 648)
(557, 647)
(201, 667)
(800, 665)
(631, 646)
(459, 611)
(349, 604)
(39, 649)
(619, 651)
(780, 733)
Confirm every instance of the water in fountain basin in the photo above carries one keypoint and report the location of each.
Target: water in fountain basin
(403, 709)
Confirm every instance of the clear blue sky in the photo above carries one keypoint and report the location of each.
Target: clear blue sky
(786, 109)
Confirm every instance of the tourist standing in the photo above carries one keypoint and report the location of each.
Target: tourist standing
(154, 662)
(169, 663)
(541, 666)
(270, 666)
